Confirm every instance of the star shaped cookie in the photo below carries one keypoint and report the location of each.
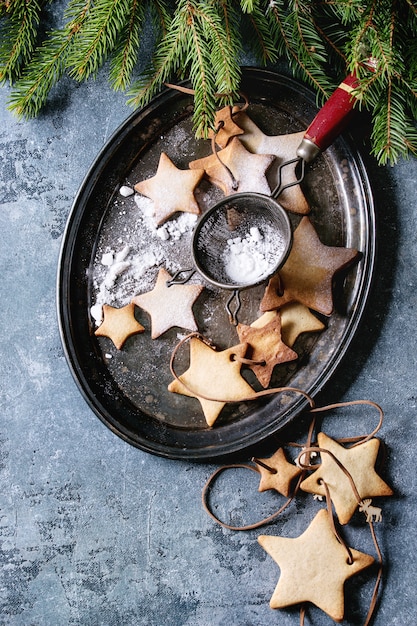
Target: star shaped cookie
(225, 127)
(171, 189)
(314, 567)
(248, 169)
(265, 346)
(169, 306)
(296, 319)
(307, 275)
(359, 462)
(281, 477)
(284, 148)
(119, 324)
(213, 374)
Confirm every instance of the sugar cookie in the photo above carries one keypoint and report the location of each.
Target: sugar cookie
(314, 567)
(119, 324)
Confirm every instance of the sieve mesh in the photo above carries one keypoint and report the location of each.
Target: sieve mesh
(242, 240)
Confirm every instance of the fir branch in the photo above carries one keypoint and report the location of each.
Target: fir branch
(257, 29)
(197, 45)
(310, 43)
(48, 64)
(247, 5)
(166, 60)
(347, 11)
(18, 33)
(125, 55)
(333, 34)
(229, 17)
(97, 37)
(393, 132)
(160, 16)
(412, 6)
(201, 73)
(224, 52)
(203, 40)
(305, 54)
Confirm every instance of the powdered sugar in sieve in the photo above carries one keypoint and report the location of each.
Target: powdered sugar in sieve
(241, 241)
(248, 259)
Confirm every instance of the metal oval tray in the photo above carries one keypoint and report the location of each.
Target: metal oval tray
(127, 388)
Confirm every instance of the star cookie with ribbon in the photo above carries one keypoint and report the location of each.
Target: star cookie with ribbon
(213, 374)
(313, 567)
(283, 147)
(359, 461)
(277, 473)
(236, 170)
(296, 319)
(225, 126)
(266, 348)
(169, 306)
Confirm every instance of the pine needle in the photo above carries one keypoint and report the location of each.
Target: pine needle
(18, 36)
(203, 40)
(48, 64)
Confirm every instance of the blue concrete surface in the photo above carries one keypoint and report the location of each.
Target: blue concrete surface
(95, 532)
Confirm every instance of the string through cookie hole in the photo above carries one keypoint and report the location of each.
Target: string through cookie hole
(310, 449)
(209, 486)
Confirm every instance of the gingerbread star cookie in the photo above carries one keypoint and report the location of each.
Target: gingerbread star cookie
(266, 348)
(277, 473)
(169, 306)
(359, 462)
(171, 189)
(284, 147)
(307, 275)
(248, 169)
(119, 324)
(314, 567)
(225, 127)
(296, 319)
(213, 374)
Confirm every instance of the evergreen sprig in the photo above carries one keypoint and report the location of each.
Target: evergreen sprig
(17, 36)
(202, 40)
(100, 34)
(127, 46)
(48, 63)
(202, 45)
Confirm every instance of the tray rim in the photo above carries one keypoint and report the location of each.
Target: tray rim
(223, 450)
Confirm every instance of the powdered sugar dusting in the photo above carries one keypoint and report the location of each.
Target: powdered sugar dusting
(172, 229)
(127, 263)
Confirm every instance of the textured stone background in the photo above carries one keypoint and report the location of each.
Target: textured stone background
(95, 532)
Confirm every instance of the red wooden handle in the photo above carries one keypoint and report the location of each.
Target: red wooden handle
(330, 121)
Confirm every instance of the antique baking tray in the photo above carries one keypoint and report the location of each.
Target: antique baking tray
(127, 389)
